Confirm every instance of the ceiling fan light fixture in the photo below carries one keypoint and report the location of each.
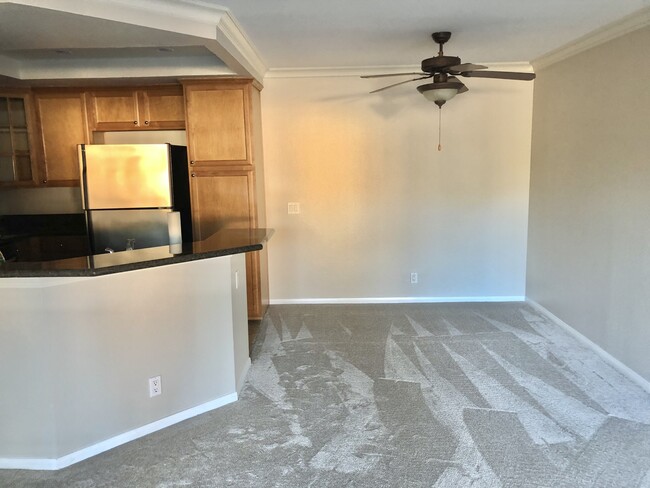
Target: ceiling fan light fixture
(439, 93)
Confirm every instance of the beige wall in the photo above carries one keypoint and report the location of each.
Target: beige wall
(589, 237)
(29, 201)
(379, 202)
(74, 371)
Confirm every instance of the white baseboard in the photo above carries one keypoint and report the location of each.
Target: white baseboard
(242, 377)
(318, 301)
(607, 357)
(118, 440)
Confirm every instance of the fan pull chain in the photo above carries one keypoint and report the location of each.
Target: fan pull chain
(439, 128)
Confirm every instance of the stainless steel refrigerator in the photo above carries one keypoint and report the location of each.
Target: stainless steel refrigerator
(129, 191)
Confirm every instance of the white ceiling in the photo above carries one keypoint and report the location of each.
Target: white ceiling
(346, 33)
(101, 37)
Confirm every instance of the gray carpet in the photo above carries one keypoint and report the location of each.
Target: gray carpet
(435, 395)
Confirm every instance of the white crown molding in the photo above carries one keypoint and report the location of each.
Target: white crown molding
(627, 24)
(338, 71)
(355, 71)
(229, 29)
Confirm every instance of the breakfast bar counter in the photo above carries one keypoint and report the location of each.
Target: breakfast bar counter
(222, 243)
(82, 338)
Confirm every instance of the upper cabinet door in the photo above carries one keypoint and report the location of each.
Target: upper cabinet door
(17, 161)
(137, 109)
(61, 118)
(221, 199)
(163, 108)
(217, 123)
(113, 110)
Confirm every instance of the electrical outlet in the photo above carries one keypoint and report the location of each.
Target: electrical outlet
(293, 208)
(155, 386)
(414, 278)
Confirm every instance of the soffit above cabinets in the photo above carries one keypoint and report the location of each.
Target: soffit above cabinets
(64, 39)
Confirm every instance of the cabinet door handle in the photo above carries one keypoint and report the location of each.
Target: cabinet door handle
(44, 181)
(192, 162)
(193, 175)
(135, 122)
(146, 122)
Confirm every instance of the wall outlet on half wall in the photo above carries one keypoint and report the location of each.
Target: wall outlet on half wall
(155, 386)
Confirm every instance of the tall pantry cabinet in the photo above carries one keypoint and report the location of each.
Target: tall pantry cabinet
(224, 132)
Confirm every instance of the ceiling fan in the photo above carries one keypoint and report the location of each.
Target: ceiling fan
(444, 71)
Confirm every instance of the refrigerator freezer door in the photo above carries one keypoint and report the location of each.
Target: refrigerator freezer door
(126, 176)
(120, 229)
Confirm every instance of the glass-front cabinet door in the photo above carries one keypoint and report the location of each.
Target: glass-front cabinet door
(15, 153)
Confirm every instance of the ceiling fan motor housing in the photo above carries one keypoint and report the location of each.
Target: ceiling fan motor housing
(438, 64)
(441, 37)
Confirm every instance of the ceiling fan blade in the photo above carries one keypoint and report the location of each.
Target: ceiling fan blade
(390, 74)
(502, 75)
(463, 68)
(462, 89)
(400, 83)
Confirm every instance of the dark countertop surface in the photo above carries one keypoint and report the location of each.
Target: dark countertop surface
(222, 243)
(43, 237)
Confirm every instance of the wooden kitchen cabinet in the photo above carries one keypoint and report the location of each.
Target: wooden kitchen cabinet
(225, 199)
(151, 108)
(221, 199)
(225, 153)
(17, 150)
(218, 123)
(61, 126)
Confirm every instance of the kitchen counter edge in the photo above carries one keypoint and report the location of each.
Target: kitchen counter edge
(222, 243)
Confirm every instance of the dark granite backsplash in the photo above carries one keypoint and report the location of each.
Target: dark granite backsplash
(43, 237)
(39, 225)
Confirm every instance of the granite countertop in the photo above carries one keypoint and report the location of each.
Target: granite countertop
(222, 243)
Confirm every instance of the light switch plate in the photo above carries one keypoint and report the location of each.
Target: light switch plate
(293, 208)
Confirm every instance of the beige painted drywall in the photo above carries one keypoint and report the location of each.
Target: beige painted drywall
(239, 319)
(176, 137)
(28, 201)
(589, 225)
(379, 201)
(76, 354)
